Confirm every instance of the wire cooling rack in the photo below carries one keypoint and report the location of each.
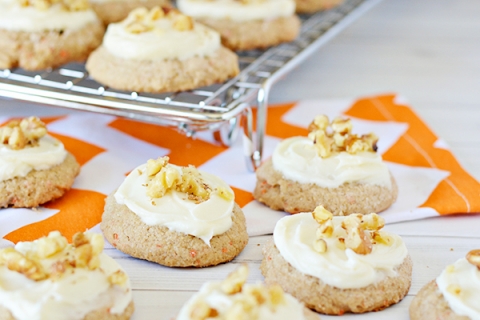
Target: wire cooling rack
(221, 108)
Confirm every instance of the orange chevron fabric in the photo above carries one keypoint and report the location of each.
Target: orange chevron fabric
(82, 209)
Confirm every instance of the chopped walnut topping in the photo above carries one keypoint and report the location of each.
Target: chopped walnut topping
(163, 178)
(202, 311)
(362, 231)
(320, 245)
(84, 252)
(118, 277)
(337, 136)
(474, 258)
(143, 20)
(235, 280)
(68, 5)
(16, 261)
(20, 134)
(246, 299)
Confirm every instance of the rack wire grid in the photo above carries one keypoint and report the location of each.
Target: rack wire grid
(220, 108)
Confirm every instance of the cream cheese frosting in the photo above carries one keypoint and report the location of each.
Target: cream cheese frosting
(237, 10)
(18, 163)
(342, 268)
(164, 42)
(73, 295)
(14, 17)
(464, 277)
(296, 159)
(174, 210)
(215, 298)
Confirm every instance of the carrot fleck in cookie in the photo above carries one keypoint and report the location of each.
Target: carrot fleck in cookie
(41, 34)
(161, 50)
(311, 6)
(175, 216)
(51, 279)
(34, 167)
(233, 298)
(332, 167)
(337, 264)
(110, 11)
(453, 295)
(246, 24)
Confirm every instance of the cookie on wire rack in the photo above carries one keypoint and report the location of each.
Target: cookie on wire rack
(161, 50)
(337, 265)
(246, 24)
(36, 168)
(42, 34)
(175, 216)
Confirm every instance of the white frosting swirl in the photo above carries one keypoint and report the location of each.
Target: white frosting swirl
(163, 42)
(467, 277)
(294, 237)
(70, 297)
(297, 160)
(212, 294)
(174, 211)
(14, 17)
(18, 163)
(236, 10)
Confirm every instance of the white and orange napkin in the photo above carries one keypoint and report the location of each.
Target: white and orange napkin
(431, 181)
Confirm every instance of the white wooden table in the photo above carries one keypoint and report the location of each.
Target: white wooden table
(429, 52)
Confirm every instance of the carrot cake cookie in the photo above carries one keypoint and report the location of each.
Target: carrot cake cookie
(175, 216)
(51, 279)
(246, 24)
(161, 50)
(41, 34)
(34, 166)
(337, 264)
(331, 167)
(454, 295)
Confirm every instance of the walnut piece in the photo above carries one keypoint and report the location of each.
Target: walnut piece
(143, 20)
(336, 136)
(20, 134)
(235, 280)
(474, 258)
(16, 261)
(163, 178)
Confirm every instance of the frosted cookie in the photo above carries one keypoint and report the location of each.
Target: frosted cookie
(51, 279)
(41, 34)
(175, 216)
(34, 167)
(337, 264)
(233, 298)
(332, 167)
(453, 295)
(246, 24)
(311, 6)
(161, 50)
